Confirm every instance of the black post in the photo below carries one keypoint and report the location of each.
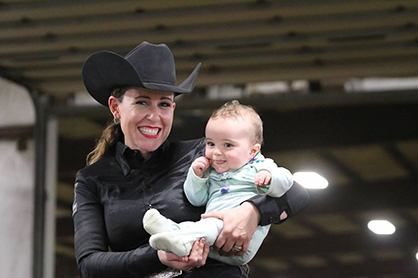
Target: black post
(42, 104)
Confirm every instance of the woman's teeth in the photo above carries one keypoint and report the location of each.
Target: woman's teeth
(149, 131)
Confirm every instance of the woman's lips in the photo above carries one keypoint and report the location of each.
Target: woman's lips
(150, 132)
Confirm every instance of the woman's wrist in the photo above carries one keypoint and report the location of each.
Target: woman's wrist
(253, 211)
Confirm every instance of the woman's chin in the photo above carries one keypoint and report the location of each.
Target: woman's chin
(148, 148)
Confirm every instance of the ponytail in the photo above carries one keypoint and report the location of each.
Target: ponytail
(110, 135)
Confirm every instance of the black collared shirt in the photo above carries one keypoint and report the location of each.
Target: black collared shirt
(112, 195)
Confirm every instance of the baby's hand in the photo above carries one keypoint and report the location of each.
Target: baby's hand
(200, 165)
(262, 178)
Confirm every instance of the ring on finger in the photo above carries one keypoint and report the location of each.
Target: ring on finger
(237, 248)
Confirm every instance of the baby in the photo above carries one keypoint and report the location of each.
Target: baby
(232, 171)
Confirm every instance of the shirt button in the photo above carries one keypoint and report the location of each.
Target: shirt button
(271, 219)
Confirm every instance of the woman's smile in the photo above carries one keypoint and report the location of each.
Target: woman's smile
(149, 132)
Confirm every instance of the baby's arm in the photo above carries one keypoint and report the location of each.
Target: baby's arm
(200, 165)
(262, 178)
(195, 185)
(272, 180)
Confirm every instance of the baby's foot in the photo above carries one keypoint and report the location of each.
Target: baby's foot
(155, 223)
(179, 242)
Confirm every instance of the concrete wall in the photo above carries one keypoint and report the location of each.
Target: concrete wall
(16, 184)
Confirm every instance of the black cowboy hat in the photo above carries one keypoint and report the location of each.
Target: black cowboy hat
(147, 66)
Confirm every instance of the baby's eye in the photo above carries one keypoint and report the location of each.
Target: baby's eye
(210, 144)
(228, 145)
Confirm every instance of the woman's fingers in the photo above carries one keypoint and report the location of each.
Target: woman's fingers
(214, 214)
(199, 253)
(241, 251)
(196, 258)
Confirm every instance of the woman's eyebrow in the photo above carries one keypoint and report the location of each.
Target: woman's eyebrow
(163, 98)
(147, 97)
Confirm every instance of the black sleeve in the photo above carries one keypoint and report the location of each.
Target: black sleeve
(270, 208)
(91, 243)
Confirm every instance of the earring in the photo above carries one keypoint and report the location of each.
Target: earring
(116, 121)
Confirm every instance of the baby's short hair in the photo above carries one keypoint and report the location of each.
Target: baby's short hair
(234, 110)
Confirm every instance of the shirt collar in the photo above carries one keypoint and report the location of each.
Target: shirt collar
(129, 159)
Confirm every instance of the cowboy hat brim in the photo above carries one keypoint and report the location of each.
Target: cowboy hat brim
(105, 71)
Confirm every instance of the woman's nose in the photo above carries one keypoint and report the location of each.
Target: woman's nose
(152, 113)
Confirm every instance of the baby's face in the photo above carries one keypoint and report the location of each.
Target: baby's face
(229, 143)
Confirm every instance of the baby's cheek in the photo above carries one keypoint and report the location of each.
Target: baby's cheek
(208, 155)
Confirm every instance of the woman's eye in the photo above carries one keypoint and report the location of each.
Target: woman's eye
(165, 104)
(141, 102)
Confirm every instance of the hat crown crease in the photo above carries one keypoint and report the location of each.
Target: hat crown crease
(154, 63)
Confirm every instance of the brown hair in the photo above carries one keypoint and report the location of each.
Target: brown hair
(110, 135)
(233, 109)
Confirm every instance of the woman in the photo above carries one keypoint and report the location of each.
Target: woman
(134, 168)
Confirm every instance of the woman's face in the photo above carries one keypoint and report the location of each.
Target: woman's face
(146, 117)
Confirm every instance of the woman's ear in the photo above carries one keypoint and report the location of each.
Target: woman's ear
(255, 149)
(114, 106)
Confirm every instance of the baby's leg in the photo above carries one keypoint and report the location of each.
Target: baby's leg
(155, 223)
(181, 241)
(255, 244)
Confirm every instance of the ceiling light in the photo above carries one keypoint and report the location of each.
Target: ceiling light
(416, 256)
(381, 227)
(310, 180)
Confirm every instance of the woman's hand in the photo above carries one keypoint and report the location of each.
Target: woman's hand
(240, 224)
(197, 257)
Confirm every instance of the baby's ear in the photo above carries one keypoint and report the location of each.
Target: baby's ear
(255, 149)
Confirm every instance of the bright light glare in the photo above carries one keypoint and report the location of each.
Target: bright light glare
(310, 180)
(416, 256)
(381, 227)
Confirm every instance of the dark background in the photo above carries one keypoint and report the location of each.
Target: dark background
(364, 143)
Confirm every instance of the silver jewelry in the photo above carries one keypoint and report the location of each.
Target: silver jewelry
(168, 273)
(116, 121)
(238, 248)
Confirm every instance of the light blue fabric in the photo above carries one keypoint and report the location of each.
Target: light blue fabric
(230, 189)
